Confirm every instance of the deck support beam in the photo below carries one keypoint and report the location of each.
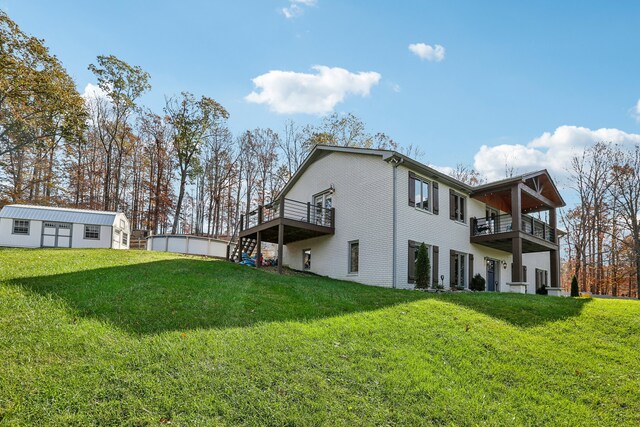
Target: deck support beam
(554, 255)
(280, 246)
(258, 249)
(516, 242)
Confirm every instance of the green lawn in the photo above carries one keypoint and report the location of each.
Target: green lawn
(101, 337)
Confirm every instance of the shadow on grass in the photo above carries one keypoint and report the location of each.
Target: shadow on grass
(519, 310)
(188, 293)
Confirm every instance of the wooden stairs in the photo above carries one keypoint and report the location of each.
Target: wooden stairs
(245, 245)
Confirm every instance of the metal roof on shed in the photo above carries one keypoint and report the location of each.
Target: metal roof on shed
(47, 213)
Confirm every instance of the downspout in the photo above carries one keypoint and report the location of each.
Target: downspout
(396, 162)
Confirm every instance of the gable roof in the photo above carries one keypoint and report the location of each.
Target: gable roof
(48, 213)
(320, 151)
(539, 181)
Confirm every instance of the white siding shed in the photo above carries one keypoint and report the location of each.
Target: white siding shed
(30, 226)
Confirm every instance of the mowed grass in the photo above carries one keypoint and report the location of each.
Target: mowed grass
(101, 337)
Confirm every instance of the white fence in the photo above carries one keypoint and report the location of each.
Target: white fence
(185, 244)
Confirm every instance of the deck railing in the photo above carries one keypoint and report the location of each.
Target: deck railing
(289, 209)
(504, 224)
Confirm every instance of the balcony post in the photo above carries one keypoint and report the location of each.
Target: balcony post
(533, 226)
(260, 213)
(554, 255)
(258, 247)
(241, 222)
(281, 207)
(333, 217)
(309, 212)
(280, 246)
(474, 226)
(516, 208)
(516, 242)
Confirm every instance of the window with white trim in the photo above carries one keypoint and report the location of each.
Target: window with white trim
(21, 226)
(92, 232)
(125, 239)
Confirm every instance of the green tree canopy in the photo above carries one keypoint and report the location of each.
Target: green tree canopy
(38, 99)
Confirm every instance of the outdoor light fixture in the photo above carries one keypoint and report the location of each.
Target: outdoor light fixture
(332, 188)
(504, 264)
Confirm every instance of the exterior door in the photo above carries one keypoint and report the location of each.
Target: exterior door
(56, 235)
(492, 275)
(321, 201)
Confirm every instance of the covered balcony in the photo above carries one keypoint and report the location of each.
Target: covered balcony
(496, 231)
(517, 232)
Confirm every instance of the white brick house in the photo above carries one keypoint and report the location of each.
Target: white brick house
(359, 214)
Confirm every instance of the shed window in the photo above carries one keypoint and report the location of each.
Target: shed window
(122, 223)
(92, 232)
(125, 239)
(20, 226)
(354, 256)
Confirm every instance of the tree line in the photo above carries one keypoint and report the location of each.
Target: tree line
(181, 169)
(603, 230)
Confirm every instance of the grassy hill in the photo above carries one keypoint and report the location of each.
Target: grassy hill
(100, 337)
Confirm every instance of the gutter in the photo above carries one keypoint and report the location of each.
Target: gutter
(395, 161)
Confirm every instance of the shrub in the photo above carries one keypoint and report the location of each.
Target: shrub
(423, 268)
(477, 283)
(575, 289)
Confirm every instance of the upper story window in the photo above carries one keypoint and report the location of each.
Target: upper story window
(423, 194)
(122, 223)
(457, 206)
(20, 226)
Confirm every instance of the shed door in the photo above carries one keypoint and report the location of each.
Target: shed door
(56, 235)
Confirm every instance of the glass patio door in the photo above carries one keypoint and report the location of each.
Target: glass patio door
(322, 203)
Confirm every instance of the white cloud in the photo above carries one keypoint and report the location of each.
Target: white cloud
(92, 91)
(635, 112)
(552, 151)
(296, 7)
(288, 92)
(428, 52)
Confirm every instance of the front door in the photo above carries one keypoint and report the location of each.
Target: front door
(56, 235)
(492, 275)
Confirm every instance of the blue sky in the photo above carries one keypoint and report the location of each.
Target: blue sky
(523, 83)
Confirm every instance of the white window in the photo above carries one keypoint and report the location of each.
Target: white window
(92, 232)
(122, 223)
(459, 270)
(413, 260)
(125, 239)
(457, 208)
(20, 226)
(323, 203)
(306, 259)
(422, 192)
(354, 256)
